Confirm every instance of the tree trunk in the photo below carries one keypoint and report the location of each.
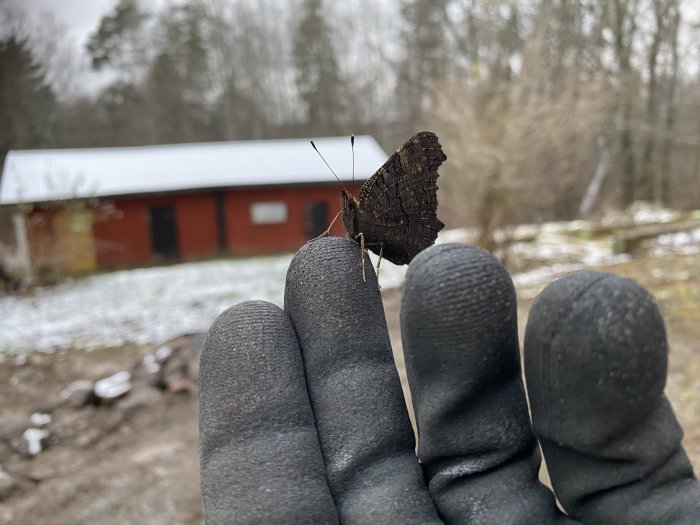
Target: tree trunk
(625, 28)
(670, 110)
(601, 171)
(627, 156)
(646, 181)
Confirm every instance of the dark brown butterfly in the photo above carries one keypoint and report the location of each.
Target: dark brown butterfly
(395, 212)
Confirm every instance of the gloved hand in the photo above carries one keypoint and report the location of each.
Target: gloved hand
(302, 417)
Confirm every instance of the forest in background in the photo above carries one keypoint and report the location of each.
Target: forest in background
(546, 109)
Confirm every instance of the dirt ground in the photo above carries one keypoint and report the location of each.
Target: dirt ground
(137, 462)
(131, 462)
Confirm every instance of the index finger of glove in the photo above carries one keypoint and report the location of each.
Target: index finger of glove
(260, 460)
(364, 430)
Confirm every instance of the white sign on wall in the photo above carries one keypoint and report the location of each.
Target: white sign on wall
(268, 213)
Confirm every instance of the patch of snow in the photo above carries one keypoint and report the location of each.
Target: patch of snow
(640, 213)
(686, 243)
(39, 419)
(146, 306)
(150, 364)
(390, 275)
(79, 393)
(80, 384)
(564, 227)
(113, 386)
(553, 247)
(644, 213)
(461, 235)
(34, 437)
(48, 175)
(162, 354)
(544, 274)
(137, 306)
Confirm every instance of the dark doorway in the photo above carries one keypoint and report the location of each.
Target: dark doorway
(221, 235)
(315, 219)
(164, 234)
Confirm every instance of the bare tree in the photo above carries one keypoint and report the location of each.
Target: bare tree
(647, 175)
(547, 109)
(674, 22)
(251, 70)
(624, 30)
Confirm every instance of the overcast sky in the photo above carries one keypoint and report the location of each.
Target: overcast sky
(74, 21)
(79, 17)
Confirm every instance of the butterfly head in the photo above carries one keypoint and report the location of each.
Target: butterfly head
(350, 205)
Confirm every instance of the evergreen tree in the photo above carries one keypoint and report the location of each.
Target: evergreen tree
(425, 59)
(27, 103)
(166, 101)
(318, 75)
(179, 80)
(118, 40)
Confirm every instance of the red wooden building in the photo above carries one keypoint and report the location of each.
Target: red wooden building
(121, 207)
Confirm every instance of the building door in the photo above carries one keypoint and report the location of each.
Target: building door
(164, 234)
(221, 234)
(315, 219)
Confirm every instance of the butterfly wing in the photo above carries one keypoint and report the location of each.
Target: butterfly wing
(398, 205)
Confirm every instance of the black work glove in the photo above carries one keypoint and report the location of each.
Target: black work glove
(302, 418)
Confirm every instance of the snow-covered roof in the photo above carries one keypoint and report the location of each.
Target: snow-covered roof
(59, 174)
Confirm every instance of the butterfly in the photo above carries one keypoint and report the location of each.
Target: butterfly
(395, 212)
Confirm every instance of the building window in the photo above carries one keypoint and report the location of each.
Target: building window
(268, 213)
(315, 219)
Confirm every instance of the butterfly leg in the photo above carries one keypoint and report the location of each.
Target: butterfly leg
(361, 236)
(328, 230)
(381, 253)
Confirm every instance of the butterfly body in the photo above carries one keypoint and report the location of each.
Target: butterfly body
(396, 209)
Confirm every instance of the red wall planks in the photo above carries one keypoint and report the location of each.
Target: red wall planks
(124, 238)
(196, 226)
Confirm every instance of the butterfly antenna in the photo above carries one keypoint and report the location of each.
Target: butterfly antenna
(352, 147)
(329, 166)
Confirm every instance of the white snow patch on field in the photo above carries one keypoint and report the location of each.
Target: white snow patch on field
(142, 306)
(687, 243)
(135, 306)
(150, 305)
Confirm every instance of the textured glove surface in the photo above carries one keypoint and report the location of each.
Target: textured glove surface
(302, 417)
(460, 341)
(596, 363)
(364, 430)
(260, 461)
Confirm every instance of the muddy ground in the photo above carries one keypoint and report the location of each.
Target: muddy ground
(136, 461)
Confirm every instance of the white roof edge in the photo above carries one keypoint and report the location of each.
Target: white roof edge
(61, 174)
(178, 145)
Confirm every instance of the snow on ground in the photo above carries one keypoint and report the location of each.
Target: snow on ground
(554, 249)
(558, 253)
(150, 305)
(146, 305)
(140, 306)
(686, 243)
